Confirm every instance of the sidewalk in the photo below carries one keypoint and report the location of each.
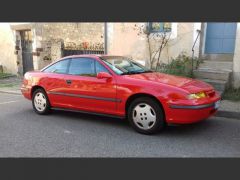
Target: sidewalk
(228, 109)
(10, 85)
(16, 90)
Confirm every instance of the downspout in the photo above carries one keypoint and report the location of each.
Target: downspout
(198, 31)
(105, 38)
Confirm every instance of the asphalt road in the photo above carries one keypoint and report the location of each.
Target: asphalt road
(66, 134)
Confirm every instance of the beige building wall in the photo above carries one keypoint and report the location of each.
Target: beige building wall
(236, 59)
(124, 40)
(7, 57)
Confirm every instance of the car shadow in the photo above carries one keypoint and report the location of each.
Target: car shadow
(175, 129)
(171, 129)
(91, 118)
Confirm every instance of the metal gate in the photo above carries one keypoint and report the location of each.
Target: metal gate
(27, 56)
(69, 52)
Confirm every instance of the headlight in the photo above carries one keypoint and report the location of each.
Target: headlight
(197, 95)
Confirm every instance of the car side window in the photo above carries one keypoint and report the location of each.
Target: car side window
(82, 67)
(100, 68)
(59, 67)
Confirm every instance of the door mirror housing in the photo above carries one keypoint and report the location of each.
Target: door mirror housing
(102, 75)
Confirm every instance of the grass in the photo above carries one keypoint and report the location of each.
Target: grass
(7, 85)
(4, 75)
(5, 82)
(232, 94)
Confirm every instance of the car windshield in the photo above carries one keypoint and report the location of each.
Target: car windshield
(123, 65)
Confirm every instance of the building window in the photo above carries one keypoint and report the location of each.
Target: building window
(160, 27)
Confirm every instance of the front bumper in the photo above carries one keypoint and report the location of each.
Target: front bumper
(26, 91)
(203, 106)
(191, 113)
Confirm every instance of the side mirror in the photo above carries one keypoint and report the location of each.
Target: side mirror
(102, 75)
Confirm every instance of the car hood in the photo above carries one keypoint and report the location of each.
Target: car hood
(188, 84)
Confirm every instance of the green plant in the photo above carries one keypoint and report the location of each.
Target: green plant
(232, 94)
(4, 75)
(180, 66)
(6, 85)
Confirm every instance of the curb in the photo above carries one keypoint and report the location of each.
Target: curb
(228, 114)
(10, 92)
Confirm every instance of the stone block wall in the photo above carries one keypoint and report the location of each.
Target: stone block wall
(51, 38)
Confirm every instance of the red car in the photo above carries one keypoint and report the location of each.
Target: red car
(116, 86)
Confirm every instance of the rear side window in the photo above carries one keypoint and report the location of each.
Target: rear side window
(82, 67)
(59, 67)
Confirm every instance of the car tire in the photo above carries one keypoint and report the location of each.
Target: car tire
(146, 116)
(40, 102)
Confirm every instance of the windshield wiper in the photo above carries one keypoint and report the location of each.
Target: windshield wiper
(136, 72)
(130, 72)
(148, 71)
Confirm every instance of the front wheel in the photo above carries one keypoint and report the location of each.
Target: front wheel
(40, 102)
(146, 116)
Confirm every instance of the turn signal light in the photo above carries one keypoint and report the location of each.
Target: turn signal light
(197, 95)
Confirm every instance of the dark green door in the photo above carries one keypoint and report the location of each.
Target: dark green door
(27, 57)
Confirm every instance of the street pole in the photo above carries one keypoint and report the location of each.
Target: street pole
(105, 38)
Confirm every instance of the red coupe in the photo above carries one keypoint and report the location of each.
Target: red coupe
(117, 86)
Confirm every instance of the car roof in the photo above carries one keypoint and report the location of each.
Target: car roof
(92, 56)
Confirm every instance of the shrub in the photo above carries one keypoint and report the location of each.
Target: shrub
(232, 94)
(5, 75)
(180, 66)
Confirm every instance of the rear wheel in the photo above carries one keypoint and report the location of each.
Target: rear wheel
(146, 115)
(40, 102)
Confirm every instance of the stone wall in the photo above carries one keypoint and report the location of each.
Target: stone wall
(72, 32)
(52, 37)
(49, 39)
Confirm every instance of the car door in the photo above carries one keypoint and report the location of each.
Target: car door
(54, 82)
(87, 92)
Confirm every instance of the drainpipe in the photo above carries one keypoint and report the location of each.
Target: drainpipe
(198, 31)
(105, 38)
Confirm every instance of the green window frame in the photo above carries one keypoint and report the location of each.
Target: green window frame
(155, 27)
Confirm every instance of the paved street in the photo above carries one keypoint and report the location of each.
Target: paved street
(66, 134)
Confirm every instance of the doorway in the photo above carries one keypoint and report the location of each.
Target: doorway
(220, 38)
(27, 56)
